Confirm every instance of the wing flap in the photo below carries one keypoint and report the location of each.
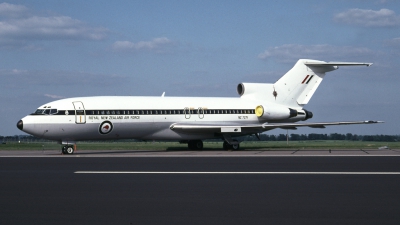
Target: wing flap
(316, 125)
(254, 128)
(216, 128)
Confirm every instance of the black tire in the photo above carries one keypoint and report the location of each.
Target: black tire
(64, 150)
(190, 145)
(198, 144)
(195, 144)
(226, 146)
(235, 147)
(68, 149)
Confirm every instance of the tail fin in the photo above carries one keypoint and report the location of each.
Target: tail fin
(298, 85)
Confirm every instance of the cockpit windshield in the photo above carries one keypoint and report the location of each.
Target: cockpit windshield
(45, 111)
(39, 112)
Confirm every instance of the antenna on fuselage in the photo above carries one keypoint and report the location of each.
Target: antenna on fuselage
(163, 94)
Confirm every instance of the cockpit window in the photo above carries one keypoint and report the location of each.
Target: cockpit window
(45, 111)
(39, 112)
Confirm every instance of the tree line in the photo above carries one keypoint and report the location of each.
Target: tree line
(263, 137)
(333, 136)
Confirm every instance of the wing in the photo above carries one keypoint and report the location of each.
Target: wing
(253, 128)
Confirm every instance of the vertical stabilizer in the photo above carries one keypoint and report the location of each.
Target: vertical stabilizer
(298, 85)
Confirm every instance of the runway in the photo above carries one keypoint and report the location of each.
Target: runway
(122, 187)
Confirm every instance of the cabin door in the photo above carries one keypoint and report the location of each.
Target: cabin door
(80, 114)
(200, 111)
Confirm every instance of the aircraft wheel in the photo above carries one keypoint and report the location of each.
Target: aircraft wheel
(68, 149)
(190, 145)
(199, 144)
(64, 150)
(225, 145)
(195, 144)
(235, 147)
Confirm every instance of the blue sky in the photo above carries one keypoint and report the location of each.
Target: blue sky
(57, 49)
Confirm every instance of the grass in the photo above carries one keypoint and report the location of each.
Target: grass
(256, 145)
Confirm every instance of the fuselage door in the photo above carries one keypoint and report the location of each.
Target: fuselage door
(80, 114)
(200, 111)
(187, 112)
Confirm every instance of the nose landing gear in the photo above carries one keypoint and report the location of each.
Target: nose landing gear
(68, 149)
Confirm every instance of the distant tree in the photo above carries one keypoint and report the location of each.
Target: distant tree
(355, 137)
(272, 138)
(368, 138)
(336, 136)
(294, 137)
(281, 137)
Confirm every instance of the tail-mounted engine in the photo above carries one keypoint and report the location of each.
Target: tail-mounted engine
(279, 112)
(275, 112)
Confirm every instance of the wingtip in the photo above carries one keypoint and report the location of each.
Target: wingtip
(373, 121)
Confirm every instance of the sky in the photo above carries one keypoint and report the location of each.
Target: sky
(54, 49)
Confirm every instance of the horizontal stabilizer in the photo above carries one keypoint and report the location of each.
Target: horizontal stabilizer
(319, 63)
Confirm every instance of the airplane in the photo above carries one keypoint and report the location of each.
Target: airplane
(260, 107)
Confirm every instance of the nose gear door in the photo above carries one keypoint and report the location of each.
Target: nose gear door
(80, 114)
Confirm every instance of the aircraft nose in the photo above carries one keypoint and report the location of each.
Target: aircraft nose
(20, 124)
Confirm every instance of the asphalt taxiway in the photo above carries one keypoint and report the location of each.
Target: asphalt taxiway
(208, 187)
(205, 153)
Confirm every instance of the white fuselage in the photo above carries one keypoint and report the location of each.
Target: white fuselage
(144, 118)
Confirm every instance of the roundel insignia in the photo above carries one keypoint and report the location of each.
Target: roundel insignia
(105, 127)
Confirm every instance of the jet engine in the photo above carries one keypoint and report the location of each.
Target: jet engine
(256, 90)
(275, 112)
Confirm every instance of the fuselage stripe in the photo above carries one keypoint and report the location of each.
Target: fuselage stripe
(305, 79)
(310, 79)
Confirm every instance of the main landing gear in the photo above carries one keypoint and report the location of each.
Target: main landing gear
(198, 145)
(68, 149)
(233, 146)
(195, 144)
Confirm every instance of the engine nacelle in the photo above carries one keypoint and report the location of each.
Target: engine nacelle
(255, 90)
(303, 115)
(275, 112)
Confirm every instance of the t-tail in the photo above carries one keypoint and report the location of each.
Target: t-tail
(297, 86)
(293, 90)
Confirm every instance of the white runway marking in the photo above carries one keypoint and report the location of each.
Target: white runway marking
(290, 173)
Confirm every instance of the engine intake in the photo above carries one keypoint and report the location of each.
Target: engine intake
(275, 112)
